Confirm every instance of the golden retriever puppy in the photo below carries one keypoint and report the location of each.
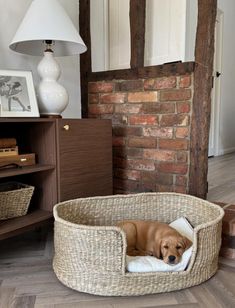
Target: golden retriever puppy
(151, 238)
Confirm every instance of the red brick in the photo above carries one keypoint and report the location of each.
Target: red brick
(134, 152)
(230, 208)
(143, 120)
(119, 152)
(119, 162)
(126, 185)
(118, 141)
(130, 85)
(164, 188)
(159, 155)
(158, 132)
(127, 174)
(160, 83)
(125, 153)
(164, 179)
(100, 87)
(142, 97)
(174, 120)
(148, 176)
(119, 119)
(173, 144)
(167, 108)
(175, 95)
(182, 157)
(173, 168)
(180, 189)
(183, 107)
(228, 253)
(181, 180)
(127, 108)
(141, 164)
(93, 98)
(222, 204)
(229, 223)
(100, 109)
(185, 81)
(142, 142)
(182, 132)
(114, 98)
(127, 131)
(148, 187)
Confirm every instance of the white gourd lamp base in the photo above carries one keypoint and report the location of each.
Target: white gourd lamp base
(53, 97)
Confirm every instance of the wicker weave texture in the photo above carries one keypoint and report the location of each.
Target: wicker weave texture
(90, 250)
(14, 199)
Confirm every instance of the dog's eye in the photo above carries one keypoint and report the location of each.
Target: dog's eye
(178, 247)
(165, 246)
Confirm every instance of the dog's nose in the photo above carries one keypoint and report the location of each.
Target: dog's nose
(171, 259)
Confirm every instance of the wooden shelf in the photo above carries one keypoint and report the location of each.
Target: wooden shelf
(66, 167)
(18, 225)
(25, 170)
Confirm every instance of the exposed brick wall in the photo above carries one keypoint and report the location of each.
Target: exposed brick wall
(151, 130)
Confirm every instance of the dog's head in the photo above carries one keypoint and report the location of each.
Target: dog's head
(170, 248)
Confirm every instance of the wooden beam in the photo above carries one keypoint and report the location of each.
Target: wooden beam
(85, 58)
(204, 54)
(169, 69)
(137, 30)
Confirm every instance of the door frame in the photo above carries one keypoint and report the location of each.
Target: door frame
(214, 137)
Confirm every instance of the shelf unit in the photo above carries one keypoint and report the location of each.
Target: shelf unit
(73, 159)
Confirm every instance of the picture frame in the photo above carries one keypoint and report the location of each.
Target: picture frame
(17, 94)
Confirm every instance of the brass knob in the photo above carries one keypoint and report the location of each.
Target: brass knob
(66, 127)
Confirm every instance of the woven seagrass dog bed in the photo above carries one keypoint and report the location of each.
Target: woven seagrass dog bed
(90, 251)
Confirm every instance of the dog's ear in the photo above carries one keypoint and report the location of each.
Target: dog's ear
(187, 242)
(157, 249)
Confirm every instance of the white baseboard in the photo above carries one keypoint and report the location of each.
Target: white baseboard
(226, 151)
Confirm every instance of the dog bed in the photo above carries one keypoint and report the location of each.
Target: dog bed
(90, 251)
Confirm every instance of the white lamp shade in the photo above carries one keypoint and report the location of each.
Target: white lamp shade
(47, 20)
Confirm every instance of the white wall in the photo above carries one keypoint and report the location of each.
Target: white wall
(165, 31)
(191, 27)
(170, 32)
(11, 14)
(227, 107)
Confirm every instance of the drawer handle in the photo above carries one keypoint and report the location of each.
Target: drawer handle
(66, 127)
(23, 159)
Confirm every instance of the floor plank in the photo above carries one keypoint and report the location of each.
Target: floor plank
(221, 178)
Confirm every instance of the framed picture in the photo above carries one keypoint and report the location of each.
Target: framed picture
(17, 94)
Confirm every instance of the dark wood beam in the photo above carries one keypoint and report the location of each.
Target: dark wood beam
(169, 69)
(85, 58)
(204, 55)
(137, 30)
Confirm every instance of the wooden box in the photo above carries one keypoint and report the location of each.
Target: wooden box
(18, 160)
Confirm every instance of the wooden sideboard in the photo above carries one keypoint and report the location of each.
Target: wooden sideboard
(73, 159)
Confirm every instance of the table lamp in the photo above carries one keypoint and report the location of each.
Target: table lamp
(47, 28)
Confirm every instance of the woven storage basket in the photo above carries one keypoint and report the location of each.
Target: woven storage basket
(14, 199)
(90, 250)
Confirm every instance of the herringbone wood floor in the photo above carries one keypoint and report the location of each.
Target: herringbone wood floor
(221, 178)
(27, 280)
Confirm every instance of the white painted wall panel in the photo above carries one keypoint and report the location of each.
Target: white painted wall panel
(165, 31)
(119, 34)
